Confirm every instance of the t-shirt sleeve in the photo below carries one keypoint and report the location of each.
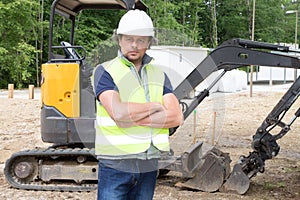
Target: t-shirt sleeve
(102, 81)
(167, 85)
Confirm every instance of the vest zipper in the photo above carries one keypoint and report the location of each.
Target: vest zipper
(143, 82)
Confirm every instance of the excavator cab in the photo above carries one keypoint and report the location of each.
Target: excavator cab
(68, 102)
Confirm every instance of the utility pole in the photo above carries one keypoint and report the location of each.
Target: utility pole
(296, 40)
(296, 29)
(296, 36)
(252, 38)
(41, 19)
(214, 20)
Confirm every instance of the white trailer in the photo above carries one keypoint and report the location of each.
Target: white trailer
(178, 62)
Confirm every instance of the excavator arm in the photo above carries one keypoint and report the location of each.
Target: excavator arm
(230, 55)
(264, 142)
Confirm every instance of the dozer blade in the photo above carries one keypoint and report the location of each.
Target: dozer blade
(210, 175)
(237, 182)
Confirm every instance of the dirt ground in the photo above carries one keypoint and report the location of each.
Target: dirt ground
(228, 121)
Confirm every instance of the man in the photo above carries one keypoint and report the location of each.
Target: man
(135, 109)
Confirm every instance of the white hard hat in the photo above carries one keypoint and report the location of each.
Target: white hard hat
(136, 22)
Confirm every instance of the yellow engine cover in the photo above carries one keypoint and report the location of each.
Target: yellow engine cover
(60, 87)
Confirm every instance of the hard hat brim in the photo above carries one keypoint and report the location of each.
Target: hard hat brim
(137, 32)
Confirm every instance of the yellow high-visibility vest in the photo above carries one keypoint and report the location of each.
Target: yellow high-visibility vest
(113, 140)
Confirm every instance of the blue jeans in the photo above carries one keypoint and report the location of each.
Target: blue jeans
(128, 182)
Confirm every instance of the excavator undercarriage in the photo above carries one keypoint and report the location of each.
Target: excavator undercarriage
(68, 115)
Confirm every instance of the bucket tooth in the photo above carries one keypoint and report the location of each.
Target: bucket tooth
(210, 175)
(238, 181)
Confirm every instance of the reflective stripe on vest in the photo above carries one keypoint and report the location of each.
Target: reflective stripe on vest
(113, 140)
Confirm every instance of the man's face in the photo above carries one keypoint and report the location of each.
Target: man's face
(134, 47)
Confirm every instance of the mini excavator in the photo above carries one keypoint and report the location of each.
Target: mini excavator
(68, 115)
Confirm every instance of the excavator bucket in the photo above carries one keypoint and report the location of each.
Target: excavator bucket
(210, 175)
(238, 181)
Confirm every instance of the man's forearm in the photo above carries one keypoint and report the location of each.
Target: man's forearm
(162, 119)
(133, 112)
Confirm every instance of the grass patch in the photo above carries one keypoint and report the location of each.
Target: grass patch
(291, 169)
(270, 186)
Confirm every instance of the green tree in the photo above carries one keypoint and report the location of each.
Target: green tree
(232, 19)
(24, 25)
(269, 21)
(235, 19)
(17, 32)
(290, 21)
(190, 17)
(168, 30)
(95, 26)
